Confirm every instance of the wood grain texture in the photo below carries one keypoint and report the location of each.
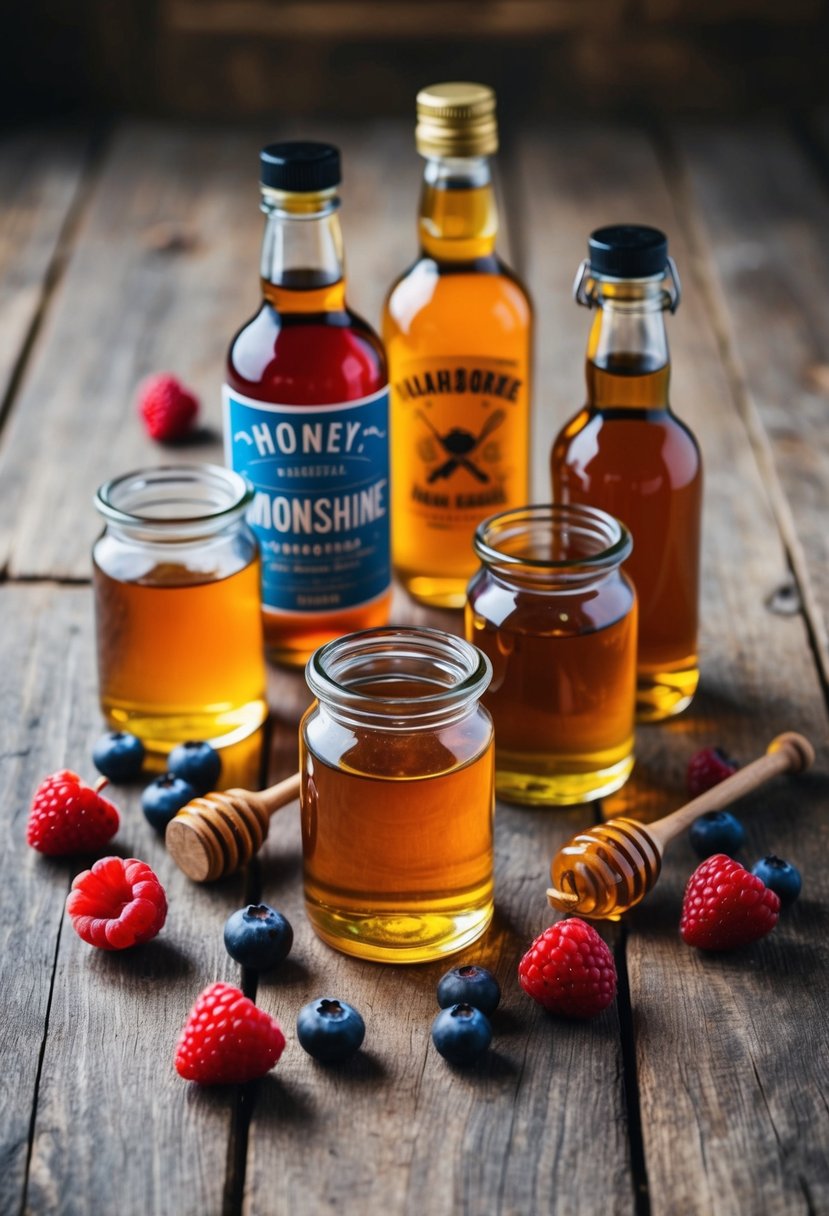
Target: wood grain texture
(717, 1076)
(47, 669)
(40, 176)
(165, 269)
(762, 209)
(115, 1128)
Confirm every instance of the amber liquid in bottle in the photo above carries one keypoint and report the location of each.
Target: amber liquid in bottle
(397, 841)
(457, 329)
(627, 453)
(198, 677)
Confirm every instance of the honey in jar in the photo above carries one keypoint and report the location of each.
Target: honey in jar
(397, 767)
(628, 453)
(179, 634)
(555, 615)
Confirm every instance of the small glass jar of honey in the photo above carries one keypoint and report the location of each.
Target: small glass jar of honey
(397, 766)
(556, 615)
(177, 607)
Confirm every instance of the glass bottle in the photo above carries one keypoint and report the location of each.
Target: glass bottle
(555, 615)
(178, 624)
(306, 418)
(457, 328)
(626, 452)
(397, 798)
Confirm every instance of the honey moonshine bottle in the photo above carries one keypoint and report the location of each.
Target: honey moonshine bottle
(627, 453)
(457, 327)
(306, 418)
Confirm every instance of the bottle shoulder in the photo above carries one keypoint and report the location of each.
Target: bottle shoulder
(633, 441)
(306, 358)
(484, 287)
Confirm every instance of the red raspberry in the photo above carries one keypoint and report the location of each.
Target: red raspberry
(725, 906)
(708, 768)
(226, 1039)
(117, 904)
(70, 817)
(167, 407)
(569, 970)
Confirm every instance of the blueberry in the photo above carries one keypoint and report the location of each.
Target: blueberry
(470, 985)
(197, 763)
(258, 937)
(163, 798)
(717, 832)
(779, 876)
(461, 1033)
(329, 1030)
(118, 755)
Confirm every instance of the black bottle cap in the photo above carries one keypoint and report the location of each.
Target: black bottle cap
(627, 251)
(300, 166)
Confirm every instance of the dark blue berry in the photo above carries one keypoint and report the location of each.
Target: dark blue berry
(164, 797)
(330, 1030)
(118, 755)
(197, 763)
(461, 1033)
(470, 985)
(258, 937)
(779, 876)
(717, 832)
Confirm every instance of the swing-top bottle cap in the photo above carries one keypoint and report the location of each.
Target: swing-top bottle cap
(456, 119)
(300, 166)
(627, 251)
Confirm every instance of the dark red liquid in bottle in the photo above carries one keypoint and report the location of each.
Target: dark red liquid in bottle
(305, 347)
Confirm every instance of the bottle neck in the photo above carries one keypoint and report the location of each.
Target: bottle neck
(302, 267)
(458, 219)
(628, 364)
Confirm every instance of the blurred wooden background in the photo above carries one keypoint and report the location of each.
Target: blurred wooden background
(261, 58)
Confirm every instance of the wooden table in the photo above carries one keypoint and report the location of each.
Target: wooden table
(705, 1088)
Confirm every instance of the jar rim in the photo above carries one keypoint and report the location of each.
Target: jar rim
(613, 539)
(336, 670)
(225, 495)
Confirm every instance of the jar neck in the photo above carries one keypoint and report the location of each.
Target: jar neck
(553, 547)
(398, 679)
(458, 219)
(302, 266)
(174, 504)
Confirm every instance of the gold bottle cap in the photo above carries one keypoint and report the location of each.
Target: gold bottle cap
(456, 119)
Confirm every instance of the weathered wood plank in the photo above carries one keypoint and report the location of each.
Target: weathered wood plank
(733, 1117)
(41, 172)
(45, 659)
(115, 1129)
(164, 271)
(397, 1130)
(762, 211)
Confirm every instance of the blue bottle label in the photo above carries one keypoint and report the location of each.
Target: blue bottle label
(321, 503)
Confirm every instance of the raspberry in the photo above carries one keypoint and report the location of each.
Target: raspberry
(117, 904)
(226, 1039)
(708, 768)
(69, 817)
(167, 407)
(569, 970)
(725, 906)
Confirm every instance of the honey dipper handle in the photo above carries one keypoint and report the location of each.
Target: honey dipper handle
(788, 753)
(279, 795)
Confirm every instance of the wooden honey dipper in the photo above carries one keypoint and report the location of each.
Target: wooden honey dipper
(609, 868)
(215, 835)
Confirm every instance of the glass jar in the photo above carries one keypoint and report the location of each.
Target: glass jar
(556, 615)
(397, 797)
(177, 609)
